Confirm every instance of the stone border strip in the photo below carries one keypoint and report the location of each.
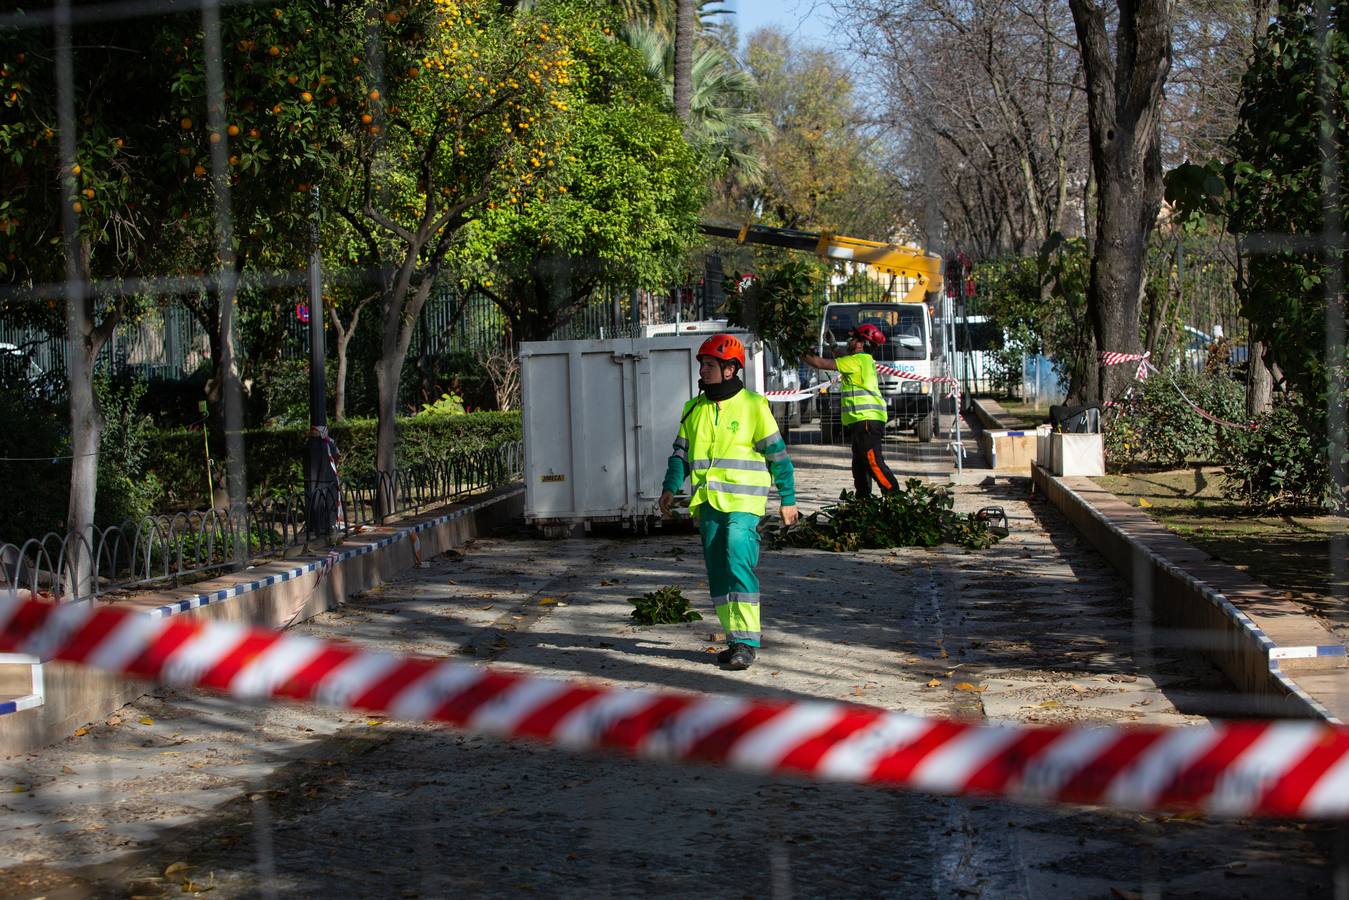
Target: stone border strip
(1241, 648)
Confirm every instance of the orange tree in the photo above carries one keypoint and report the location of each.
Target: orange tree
(151, 181)
(472, 107)
(621, 206)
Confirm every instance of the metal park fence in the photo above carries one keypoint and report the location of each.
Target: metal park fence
(186, 546)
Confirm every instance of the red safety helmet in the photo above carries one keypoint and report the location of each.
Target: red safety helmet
(725, 347)
(870, 334)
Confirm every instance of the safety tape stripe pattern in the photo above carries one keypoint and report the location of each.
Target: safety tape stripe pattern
(1282, 768)
(190, 603)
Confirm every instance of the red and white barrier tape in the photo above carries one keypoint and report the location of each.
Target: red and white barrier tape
(1288, 768)
(911, 376)
(1110, 358)
(804, 393)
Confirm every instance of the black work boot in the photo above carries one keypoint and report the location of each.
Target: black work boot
(740, 657)
(725, 656)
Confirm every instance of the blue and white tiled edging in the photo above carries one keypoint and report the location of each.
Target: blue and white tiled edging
(1273, 651)
(332, 559)
(28, 701)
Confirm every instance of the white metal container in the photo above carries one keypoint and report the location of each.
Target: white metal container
(599, 419)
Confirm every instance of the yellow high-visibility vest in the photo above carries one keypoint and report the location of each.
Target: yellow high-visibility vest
(860, 391)
(726, 443)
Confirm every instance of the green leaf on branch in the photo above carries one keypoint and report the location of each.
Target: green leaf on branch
(667, 606)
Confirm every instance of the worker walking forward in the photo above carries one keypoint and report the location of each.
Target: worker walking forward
(863, 411)
(729, 447)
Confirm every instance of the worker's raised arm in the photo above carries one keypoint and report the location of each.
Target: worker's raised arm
(818, 362)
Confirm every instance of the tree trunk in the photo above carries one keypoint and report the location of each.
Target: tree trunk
(1259, 381)
(340, 388)
(1124, 101)
(387, 373)
(683, 67)
(85, 337)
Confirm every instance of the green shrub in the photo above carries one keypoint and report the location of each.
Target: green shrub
(1278, 465)
(127, 490)
(1157, 427)
(276, 455)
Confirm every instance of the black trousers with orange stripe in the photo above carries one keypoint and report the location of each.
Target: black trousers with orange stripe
(868, 462)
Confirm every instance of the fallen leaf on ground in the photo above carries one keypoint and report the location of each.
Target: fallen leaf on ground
(1050, 704)
(547, 601)
(1077, 688)
(81, 731)
(711, 649)
(177, 868)
(1143, 502)
(936, 682)
(146, 720)
(67, 770)
(972, 688)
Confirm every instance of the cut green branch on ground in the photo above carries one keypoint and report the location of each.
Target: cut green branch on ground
(917, 515)
(667, 606)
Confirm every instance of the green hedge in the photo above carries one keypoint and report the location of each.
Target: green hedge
(275, 455)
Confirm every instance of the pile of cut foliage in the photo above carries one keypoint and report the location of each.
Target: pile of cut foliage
(917, 515)
(667, 606)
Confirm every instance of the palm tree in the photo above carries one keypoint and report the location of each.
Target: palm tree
(721, 98)
(683, 59)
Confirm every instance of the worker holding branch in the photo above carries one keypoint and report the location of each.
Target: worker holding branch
(730, 449)
(863, 411)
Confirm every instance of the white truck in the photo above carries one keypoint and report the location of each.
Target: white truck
(909, 346)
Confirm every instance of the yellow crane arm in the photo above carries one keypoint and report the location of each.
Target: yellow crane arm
(898, 260)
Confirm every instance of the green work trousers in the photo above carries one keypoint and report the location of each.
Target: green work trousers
(731, 552)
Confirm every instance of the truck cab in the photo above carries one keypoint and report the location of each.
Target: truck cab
(909, 347)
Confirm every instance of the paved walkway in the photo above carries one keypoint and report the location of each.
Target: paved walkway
(299, 802)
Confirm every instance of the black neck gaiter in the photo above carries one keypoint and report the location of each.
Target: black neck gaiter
(723, 391)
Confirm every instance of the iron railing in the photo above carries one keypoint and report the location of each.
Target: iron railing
(186, 546)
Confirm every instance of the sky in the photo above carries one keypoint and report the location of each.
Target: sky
(802, 20)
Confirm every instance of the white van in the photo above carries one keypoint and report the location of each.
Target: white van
(910, 346)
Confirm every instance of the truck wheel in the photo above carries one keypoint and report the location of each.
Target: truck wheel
(924, 429)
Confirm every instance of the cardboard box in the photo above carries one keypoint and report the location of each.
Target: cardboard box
(1009, 451)
(1077, 454)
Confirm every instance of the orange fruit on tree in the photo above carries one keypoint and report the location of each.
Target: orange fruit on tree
(77, 206)
(75, 169)
(292, 78)
(199, 170)
(274, 50)
(306, 96)
(374, 95)
(232, 131)
(366, 118)
(89, 193)
(215, 137)
(185, 123)
(254, 133)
